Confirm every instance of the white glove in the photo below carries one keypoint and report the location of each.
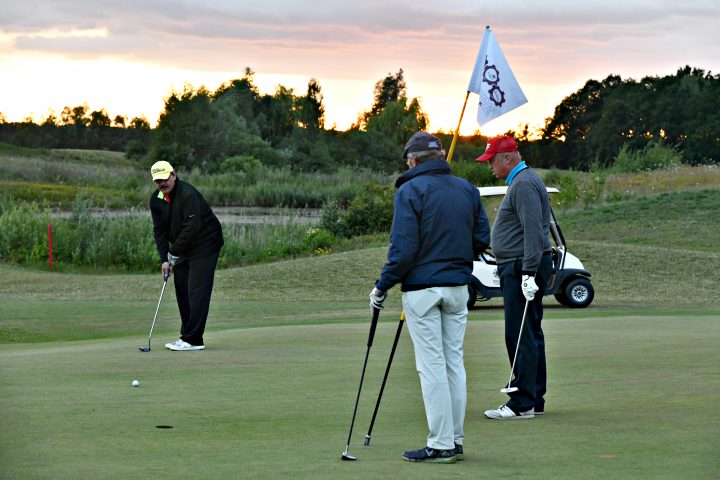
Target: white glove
(529, 287)
(377, 297)
(173, 259)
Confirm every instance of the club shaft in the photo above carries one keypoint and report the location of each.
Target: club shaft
(517, 347)
(387, 372)
(157, 309)
(371, 336)
(357, 399)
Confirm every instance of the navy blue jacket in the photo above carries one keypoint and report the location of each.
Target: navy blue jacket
(439, 227)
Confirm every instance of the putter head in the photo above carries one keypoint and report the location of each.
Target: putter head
(347, 457)
(144, 349)
(509, 390)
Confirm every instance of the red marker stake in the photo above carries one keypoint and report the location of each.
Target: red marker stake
(50, 253)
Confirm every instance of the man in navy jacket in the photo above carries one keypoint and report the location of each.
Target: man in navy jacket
(439, 227)
(188, 237)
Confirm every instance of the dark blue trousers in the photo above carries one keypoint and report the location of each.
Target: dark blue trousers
(530, 374)
(193, 288)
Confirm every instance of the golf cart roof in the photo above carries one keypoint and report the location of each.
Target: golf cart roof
(493, 191)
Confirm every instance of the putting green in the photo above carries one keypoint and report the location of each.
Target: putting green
(629, 397)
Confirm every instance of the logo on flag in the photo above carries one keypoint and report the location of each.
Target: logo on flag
(494, 82)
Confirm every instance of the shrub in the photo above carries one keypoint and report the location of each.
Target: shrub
(476, 173)
(23, 233)
(319, 240)
(370, 212)
(653, 156)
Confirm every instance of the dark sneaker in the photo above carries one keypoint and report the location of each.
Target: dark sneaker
(459, 452)
(430, 455)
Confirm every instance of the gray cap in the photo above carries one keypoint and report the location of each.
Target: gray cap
(422, 141)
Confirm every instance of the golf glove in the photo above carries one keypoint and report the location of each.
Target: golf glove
(173, 259)
(529, 287)
(377, 297)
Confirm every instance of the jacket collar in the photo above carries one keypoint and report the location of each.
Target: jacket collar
(431, 167)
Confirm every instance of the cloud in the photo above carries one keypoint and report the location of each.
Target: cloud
(553, 47)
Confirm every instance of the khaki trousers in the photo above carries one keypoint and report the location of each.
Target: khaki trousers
(436, 318)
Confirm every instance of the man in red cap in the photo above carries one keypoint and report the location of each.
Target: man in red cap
(524, 260)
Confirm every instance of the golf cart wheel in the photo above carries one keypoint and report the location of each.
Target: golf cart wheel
(579, 293)
(472, 296)
(562, 299)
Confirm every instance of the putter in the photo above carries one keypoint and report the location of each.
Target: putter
(373, 324)
(144, 349)
(510, 389)
(387, 371)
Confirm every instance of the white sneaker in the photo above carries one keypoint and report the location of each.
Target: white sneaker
(503, 412)
(181, 346)
(176, 343)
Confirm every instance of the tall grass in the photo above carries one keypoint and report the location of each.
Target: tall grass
(109, 179)
(87, 239)
(606, 186)
(282, 187)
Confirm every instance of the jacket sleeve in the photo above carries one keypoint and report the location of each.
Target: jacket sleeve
(481, 228)
(191, 214)
(527, 205)
(159, 231)
(404, 241)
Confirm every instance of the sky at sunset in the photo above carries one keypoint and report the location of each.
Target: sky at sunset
(127, 56)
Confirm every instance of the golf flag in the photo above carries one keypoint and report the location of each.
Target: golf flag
(493, 80)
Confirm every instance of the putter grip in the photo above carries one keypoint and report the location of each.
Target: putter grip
(373, 324)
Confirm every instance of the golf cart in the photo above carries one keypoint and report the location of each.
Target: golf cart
(569, 282)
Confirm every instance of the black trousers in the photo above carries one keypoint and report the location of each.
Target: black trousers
(530, 374)
(193, 288)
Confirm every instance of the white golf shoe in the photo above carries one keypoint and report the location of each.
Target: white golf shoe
(176, 343)
(182, 346)
(503, 412)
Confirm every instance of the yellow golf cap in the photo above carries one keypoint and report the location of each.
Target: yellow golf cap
(161, 170)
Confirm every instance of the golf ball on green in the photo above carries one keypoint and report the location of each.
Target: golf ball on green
(135, 383)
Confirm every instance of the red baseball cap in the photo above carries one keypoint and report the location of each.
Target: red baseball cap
(500, 144)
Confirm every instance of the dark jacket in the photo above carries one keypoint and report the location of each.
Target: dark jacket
(439, 227)
(187, 226)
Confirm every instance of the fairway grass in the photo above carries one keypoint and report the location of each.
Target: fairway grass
(629, 397)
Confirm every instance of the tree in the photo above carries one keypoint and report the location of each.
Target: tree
(99, 119)
(311, 111)
(120, 121)
(398, 121)
(139, 123)
(280, 112)
(244, 97)
(389, 89)
(188, 133)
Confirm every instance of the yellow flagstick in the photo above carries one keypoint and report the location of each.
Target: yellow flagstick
(457, 130)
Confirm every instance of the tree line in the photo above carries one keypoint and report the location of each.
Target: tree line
(236, 126)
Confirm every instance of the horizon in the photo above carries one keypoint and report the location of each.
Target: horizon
(127, 60)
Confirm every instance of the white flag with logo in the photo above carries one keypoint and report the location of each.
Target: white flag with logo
(493, 80)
